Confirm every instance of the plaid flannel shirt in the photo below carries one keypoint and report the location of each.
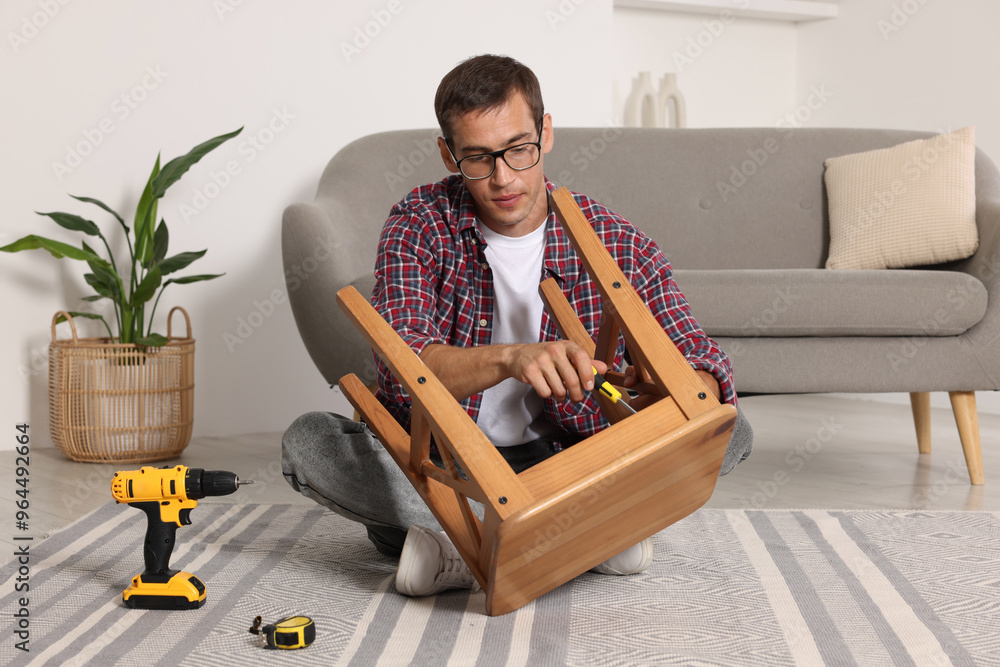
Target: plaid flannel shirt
(433, 284)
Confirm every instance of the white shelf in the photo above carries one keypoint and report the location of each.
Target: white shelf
(775, 10)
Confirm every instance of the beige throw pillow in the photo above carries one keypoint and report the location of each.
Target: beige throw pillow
(908, 205)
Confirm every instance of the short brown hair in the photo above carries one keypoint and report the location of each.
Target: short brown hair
(485, 82)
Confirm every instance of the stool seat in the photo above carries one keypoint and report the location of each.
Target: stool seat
(585, 504)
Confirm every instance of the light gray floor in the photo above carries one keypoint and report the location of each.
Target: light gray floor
(810, 451)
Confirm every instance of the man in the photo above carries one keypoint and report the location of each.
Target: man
(457, 274)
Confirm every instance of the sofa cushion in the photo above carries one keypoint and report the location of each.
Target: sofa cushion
(816, 302)
(910, 205)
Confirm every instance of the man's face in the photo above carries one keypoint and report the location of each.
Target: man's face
(509, 202)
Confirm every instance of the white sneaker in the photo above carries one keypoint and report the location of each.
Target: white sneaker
(633, 560)
(430, 563)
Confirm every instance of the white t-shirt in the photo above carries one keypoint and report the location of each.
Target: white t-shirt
(511, 412)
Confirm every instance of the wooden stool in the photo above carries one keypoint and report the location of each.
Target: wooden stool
(578, 508)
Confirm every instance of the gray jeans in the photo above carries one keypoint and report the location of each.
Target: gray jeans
(340, 464)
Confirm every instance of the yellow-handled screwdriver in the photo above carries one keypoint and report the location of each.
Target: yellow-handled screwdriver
(605, 388)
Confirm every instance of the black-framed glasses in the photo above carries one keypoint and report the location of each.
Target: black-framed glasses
(518, 157)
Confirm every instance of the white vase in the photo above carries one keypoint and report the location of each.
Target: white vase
(641, 106)
(670, 103)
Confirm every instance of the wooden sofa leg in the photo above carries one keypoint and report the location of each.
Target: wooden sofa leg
(920, 401)
(963, 403)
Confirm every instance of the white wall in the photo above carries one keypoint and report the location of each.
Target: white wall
(908, 64)
(732, 72)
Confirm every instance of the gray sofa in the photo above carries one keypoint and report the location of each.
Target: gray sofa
(747, 240)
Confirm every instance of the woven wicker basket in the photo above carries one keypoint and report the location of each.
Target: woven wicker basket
(114, 403)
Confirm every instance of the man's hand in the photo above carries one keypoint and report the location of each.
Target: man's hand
(556, 368)
(645, 400)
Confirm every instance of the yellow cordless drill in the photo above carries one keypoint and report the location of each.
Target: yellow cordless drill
(167, 496)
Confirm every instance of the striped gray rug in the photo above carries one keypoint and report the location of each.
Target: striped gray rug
(728, 587)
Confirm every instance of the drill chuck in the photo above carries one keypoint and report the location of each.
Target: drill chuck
(199, 483)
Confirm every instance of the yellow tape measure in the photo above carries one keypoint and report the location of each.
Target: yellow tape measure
(290, 632)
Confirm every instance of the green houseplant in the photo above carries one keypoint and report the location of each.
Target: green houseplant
(128, 398)
(149, 263)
